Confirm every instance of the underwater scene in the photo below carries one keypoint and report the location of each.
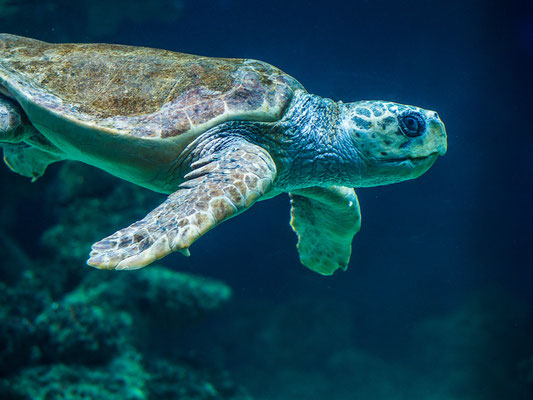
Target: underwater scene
(370, 162)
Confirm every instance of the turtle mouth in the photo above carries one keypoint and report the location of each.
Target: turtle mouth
(419, 165)
(424, 158)
(412, 160)
(413, 166)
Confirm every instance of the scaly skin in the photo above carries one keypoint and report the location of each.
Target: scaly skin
(317, 151)
(360, 144)
(220, 186)
(317, 145)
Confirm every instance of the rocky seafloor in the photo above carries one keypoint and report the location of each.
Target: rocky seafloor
(70, 332)
(91, 343)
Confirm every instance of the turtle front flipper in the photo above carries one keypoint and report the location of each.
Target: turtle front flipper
(325, 220)
(220, 186)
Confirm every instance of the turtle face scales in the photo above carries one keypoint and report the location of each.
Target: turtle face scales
(395, 142)
(215, 134)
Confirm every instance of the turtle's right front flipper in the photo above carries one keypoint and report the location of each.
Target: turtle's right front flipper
(220, 186)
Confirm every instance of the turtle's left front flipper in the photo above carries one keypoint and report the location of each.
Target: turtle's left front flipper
(325, 220)
(220, 186)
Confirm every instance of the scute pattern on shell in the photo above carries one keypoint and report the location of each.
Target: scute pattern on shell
(140, 91)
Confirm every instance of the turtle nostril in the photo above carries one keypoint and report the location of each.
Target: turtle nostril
(435, 115)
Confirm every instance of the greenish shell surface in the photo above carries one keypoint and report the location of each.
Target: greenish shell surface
(123, 107)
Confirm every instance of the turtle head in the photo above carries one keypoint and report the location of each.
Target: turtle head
(392, 142)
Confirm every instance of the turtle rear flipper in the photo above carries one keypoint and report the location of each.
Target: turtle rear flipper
(219, 187)
(325, 220)
(28, 161)
(26, 151)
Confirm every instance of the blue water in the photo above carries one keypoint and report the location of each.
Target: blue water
(437, 301)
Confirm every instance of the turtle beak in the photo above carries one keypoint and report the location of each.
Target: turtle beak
(438, 134)
(443, 146)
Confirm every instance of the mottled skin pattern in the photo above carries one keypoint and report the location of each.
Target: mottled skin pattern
(220, 186)
(216, 134)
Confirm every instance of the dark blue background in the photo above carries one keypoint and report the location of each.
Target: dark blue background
(464, 225)
(426, 246)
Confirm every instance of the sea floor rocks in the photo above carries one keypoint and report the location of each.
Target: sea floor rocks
(126, 377)
(85, 345)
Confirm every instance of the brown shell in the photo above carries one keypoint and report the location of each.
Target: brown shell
(139, 91)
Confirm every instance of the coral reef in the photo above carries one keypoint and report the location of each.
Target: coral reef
(158, 291)
(83, 346)
(21, 304)
(126, 377)
(71, 332)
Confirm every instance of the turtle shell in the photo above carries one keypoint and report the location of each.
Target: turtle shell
(137, 91)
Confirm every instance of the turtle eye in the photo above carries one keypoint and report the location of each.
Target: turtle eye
(412, 124)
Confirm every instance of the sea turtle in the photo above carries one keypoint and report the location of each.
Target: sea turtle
(216, 134)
